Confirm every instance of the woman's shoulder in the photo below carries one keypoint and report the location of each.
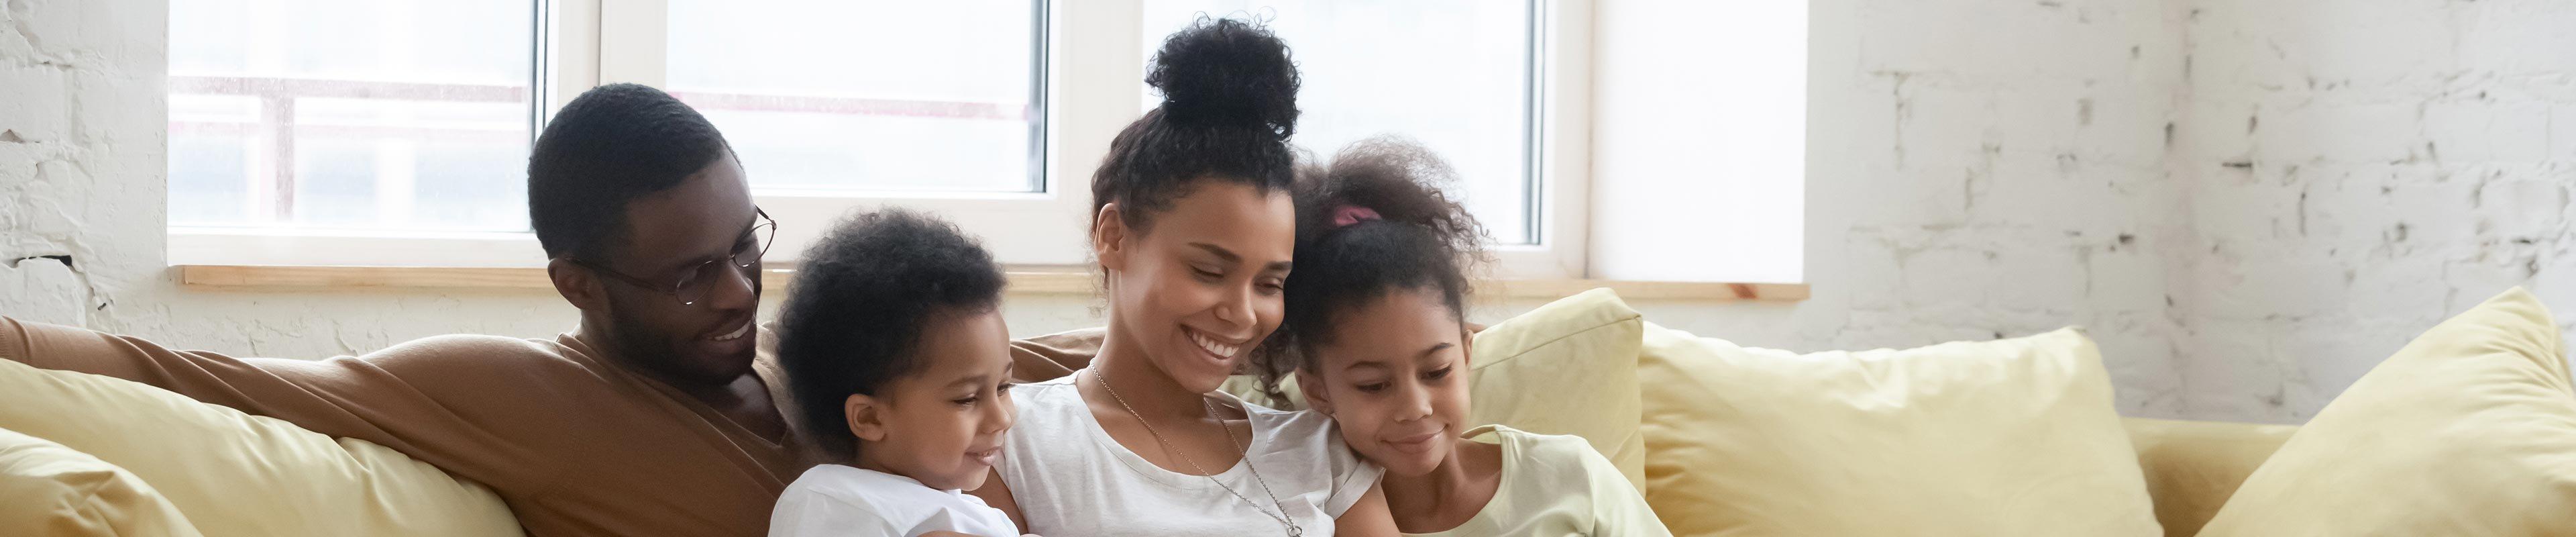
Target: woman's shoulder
(1285, 423)
(1047, 400)
(1055, 388)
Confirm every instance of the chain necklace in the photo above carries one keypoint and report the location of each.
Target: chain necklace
(1281, 516)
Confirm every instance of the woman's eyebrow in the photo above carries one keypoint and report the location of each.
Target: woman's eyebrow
(1219, 251)
(1231, 258)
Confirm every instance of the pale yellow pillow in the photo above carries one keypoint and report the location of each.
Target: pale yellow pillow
(2470, 430)
(2192, 466)
(238, 474)
(2006, 437)
(47, 489)
(1568, 367)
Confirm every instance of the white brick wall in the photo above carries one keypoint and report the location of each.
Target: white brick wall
(2358, 171)
(2248, 203)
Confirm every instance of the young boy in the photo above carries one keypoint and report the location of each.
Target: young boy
(893, 333)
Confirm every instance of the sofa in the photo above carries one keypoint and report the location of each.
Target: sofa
(87, 455)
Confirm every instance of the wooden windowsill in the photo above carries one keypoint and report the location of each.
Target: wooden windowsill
(1049, 282)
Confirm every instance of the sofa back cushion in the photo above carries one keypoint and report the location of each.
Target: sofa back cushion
(237, 474)
(2193, 466)
(2007, 437)
(1568, 367)
(2468, 430)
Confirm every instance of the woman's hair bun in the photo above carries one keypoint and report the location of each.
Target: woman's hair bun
(1226, 71)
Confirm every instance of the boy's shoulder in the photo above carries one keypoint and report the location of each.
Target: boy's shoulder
(893, 497)
(833, 499)
(851, 483)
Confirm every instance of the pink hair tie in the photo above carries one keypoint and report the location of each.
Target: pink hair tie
(1346, 215)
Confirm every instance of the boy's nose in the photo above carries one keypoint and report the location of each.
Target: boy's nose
(999, 417)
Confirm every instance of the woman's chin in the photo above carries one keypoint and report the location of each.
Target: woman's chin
(1200, 372)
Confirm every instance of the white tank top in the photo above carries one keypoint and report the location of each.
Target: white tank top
(1070, 478)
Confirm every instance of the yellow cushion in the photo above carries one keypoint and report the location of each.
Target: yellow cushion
(2192, 466)
(1568, 367)
(48, 489)
(2469, 430)
(2006, 437)
(238, 474)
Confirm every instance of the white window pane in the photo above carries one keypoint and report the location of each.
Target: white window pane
(1451, 74)
(877, 95)
(386, 114)
(210, 154)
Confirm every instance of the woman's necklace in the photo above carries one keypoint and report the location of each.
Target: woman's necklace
(1282, 515)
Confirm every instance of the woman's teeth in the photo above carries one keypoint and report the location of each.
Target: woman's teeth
(1212, 346)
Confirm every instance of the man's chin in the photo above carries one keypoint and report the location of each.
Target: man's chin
(696, 367)
(719, 368)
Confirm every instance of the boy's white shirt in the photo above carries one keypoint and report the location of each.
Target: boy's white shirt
(837, 500)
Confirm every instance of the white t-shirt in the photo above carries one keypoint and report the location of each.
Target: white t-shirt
(1557, 485)
(1071, 478)
(844, 501)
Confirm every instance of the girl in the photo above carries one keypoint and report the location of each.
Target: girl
(1376, 337)
(1194, 226)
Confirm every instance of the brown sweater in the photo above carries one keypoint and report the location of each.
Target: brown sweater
(574, 442)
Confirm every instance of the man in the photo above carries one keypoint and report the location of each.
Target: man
(652, 417)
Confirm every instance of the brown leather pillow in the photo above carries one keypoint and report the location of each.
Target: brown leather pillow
(1052, 356)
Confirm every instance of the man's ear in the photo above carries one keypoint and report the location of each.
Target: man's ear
(1109, 237)
(576, 284)
(1312, 385)
(867, 419)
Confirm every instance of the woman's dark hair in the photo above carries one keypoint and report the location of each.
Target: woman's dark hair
(1407, 237)
(862, 296)
(1229, 106)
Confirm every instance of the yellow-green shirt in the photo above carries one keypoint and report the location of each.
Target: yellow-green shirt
(1554, 485)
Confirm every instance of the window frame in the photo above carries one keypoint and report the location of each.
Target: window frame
(1089, 72)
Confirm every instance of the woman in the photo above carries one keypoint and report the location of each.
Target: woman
(1194, 226)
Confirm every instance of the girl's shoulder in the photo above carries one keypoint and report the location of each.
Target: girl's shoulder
(1555, 453)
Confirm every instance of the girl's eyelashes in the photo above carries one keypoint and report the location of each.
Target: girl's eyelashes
(1371, 387)
(1438, 374)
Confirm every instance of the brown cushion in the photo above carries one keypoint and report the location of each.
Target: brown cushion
(1051, 356)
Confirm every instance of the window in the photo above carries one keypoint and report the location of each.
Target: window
(1454, 75)
(318, 114)
(833, 95)
(395, 132)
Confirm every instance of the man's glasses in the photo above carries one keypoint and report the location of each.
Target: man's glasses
(693, 283)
